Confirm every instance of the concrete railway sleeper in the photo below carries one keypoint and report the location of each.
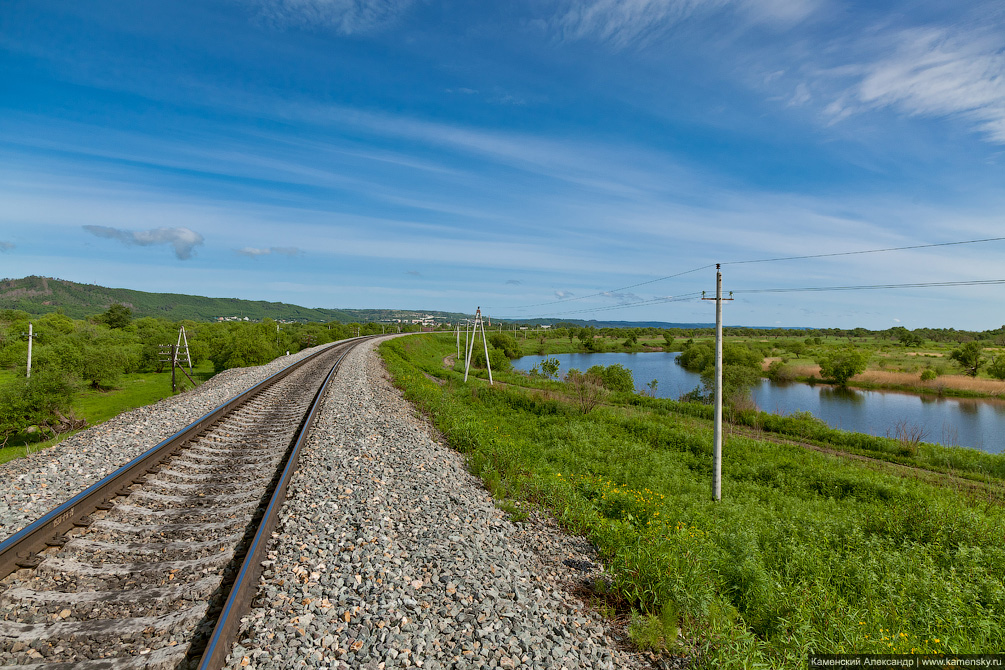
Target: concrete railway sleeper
(149, 567)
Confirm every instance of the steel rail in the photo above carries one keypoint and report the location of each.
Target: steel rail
(245, 585)
(23, 548)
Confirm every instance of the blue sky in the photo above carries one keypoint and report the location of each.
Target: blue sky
(531, 157)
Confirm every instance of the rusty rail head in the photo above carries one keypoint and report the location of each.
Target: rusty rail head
(22, 548)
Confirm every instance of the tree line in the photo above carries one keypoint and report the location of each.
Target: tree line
(69, 355)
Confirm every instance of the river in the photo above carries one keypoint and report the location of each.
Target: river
(968, 422)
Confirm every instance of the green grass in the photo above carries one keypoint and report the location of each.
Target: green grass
(806, 551)
(97, 406)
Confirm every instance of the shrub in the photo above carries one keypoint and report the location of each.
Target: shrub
(996, 368)
(585, 388)
(969, 357)
(843, 365)
(507, 343)
(778, 371)
(40, 400)
(928, 374)
(614, 377)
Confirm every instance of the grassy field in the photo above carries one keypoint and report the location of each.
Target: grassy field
(98, 406)
(807, 551)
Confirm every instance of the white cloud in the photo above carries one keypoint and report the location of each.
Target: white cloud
(938, 72)
(182, 239)
(621, 297)
(253, 252)
(625, 23)
(344, 16)
(637, 23)
(562, 295)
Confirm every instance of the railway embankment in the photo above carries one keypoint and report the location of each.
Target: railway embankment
(390, 554)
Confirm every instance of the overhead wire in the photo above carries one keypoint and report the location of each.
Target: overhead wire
(779, 290)
(868, 287)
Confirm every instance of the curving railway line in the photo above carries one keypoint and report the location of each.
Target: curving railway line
(153, 566)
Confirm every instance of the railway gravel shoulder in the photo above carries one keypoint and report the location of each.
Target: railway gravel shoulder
(32, 486)
(390, 554)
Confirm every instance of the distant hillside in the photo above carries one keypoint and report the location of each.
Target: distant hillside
(41, 295)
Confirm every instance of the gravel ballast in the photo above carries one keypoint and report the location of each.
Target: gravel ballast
(32, 486)
(390, 554)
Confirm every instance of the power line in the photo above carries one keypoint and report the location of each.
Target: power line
(615, 290)
(869, 287)
(762, 260)
(866, 251)
(678, 298)
(769, 260)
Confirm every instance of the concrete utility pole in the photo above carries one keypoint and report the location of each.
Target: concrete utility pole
(717, 437)
(30, 337)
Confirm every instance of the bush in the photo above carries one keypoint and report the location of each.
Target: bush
(506, 342)
(928, 374)
(585, 388)
(969, 357)
(40, 400)
(779, 371)
(842, 365)
(996, 368)
(614, 377)
(500, 362)
(700, 356)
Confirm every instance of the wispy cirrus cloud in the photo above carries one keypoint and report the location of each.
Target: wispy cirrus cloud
(254, 252)
(935, 72)
(413, 273)
(6, 246)
(624, 24)
(513, 282)
(562, 295)
(344, 16)
(183, 240)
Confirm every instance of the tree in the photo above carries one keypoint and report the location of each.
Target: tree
(585, 388)
(117, 316)
(614, 377)
(549, 367)
(970, 357)
(996, 368)
(42, 400)
(843, 365)
(507, 343)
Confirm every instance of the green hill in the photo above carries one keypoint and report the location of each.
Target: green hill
(41, 295)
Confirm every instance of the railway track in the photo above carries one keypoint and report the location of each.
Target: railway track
(153, 566)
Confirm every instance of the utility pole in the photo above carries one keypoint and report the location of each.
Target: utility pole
(458, 339)
(717, 436)
(30, 337)
(467, 329)
(471, 347)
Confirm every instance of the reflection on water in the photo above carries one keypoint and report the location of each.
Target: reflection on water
(838, 394)
(969, 422)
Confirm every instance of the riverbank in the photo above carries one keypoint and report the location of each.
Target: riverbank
(882, 375)
(807, 550)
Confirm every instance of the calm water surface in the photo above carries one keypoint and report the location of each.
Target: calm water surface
(977, 423)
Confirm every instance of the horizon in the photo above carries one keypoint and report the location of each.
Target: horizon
(602, 323)
(571, 159)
